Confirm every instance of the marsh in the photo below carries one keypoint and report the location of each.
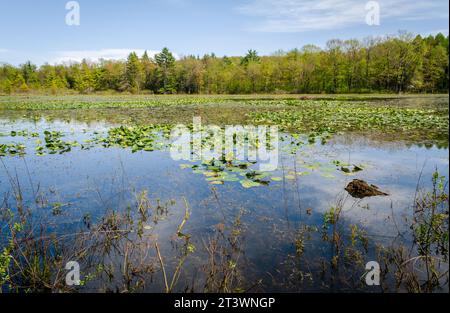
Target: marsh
(222, 225)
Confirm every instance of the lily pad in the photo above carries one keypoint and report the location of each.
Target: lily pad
(249, 184)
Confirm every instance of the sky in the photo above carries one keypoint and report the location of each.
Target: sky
(37, 30)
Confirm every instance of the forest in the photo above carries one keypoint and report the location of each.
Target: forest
(400, 63)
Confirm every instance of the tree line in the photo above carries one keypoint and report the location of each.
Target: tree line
(401, 63)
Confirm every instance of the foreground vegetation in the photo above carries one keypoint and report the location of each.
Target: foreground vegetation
(120, 252)
(402, 63)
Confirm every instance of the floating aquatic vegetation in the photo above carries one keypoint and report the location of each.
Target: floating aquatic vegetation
(23, 133)
(54, 144)
(246, 183)
(96, 102)
(12, 149)
(217, 172)
(348, 169)
(138, 138)
(323, 118)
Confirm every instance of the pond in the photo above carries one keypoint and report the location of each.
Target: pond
(231, 226)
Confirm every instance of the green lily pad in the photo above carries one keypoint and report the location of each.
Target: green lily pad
(249, 184)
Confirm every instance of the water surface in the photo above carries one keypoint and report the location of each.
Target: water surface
(91, 182)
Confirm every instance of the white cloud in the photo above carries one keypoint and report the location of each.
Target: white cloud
(306, 15)
(3, 50)
(96, 55)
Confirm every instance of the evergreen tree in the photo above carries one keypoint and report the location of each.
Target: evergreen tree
(166, 62)
(133, 73)
(252, 56)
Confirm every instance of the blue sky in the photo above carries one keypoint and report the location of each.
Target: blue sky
(36, 30)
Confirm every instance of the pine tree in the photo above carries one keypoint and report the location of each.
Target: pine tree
(252, 56)
(166, 62)
(133, 73)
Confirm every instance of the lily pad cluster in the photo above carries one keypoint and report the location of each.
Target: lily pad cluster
(138, 138)
(23, 133)
(348, 169)
(217, 172)
(336, 116)
(12, 149)
(54, 144)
